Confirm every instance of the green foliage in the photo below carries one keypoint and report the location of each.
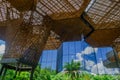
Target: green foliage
(86, 76)
(73, 66)
(105, 77)
(48, 74)
(22, 76)
(43, 74)
(72, 69)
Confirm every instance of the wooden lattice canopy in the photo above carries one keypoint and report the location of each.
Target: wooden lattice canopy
(65, 15)
(29, 26)
(102, 17)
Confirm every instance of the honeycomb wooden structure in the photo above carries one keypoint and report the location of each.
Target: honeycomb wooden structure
(30, 26)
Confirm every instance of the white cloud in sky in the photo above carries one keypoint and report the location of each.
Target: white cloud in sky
(2, 48)
(101, 69)
(79, 57)
(98, 68)
(89, 50)
(89, 64)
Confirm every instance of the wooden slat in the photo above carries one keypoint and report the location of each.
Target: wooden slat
(103, 37)
(76, 13)
(52, 43)
(22, 5)
(104, 14)
(70, 29)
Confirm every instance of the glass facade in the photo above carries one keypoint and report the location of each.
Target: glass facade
(59, 65)
(48, 59)
(91, 59)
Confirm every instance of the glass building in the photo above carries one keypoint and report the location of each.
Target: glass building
(91, 59)
(48, 59)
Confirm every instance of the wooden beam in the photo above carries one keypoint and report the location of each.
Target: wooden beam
(77, 13)
(19, 68)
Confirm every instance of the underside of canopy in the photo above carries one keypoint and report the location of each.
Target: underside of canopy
(67, 25)
(45, 24)
(70, 19)
(104, 16)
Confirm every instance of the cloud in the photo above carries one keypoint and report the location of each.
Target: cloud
(79, 57)
(98, 68)
(89, 50)
(101, 69)
(89, 64)
(2, 48)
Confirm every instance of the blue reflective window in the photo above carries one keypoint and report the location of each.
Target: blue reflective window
(91, 58)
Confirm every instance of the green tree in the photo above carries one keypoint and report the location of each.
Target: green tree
(72, 69)
(43, 74)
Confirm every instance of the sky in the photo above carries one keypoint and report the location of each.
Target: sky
(2, 47)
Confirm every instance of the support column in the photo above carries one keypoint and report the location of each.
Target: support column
(17, 67)
(32, 72)
(1, 70)
(4, 73)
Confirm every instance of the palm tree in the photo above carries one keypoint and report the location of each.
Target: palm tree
(72, 69)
